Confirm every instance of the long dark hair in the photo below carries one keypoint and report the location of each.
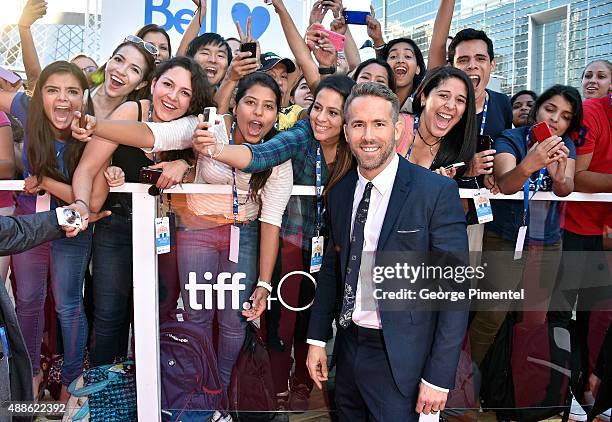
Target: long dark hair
(379, 62)
(418, 77)
(201, 96)
(98, 76)
(258, 180)
(571, 95)
(344, 157)
(40, 131)
(460, 142)
(155, 28)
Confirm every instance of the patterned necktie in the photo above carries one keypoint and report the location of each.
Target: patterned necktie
(352, 268)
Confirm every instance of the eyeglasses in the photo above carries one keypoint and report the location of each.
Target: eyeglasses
(151, 49)
(89, 69)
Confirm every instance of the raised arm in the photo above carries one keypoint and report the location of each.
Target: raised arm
(31, 13)
(351, 51)
(590, 181)
(437, 49)
(193, 29)
(298, 47)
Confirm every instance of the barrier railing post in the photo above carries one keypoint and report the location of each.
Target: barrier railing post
(146, 308)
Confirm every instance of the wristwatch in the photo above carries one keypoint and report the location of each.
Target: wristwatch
(327, 70)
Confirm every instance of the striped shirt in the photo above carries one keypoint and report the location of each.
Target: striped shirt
(273, 197)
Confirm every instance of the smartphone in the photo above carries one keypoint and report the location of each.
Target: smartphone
(352, 17)
(541, 131)
(455, 165)
(85, 108)
(149, 176)
(336, 39)
(10, 77)
(484, 143)
(210, 116)
(251, 47)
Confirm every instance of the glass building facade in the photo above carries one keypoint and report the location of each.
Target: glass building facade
(537, 42)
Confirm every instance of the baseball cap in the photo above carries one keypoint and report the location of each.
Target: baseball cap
(269, 60)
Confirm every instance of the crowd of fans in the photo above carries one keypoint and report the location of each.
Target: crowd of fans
(281, 124)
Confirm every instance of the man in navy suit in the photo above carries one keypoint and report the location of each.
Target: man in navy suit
(391, 364)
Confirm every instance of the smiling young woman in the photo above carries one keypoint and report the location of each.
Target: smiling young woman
(50, 156)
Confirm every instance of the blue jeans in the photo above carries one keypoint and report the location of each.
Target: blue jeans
(202, 251)
(69, 260)
(112, 288)
(65, 261)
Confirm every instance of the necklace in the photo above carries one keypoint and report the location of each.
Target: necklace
(431, 146)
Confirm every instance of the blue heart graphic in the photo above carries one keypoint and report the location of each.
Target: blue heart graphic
(259, 22)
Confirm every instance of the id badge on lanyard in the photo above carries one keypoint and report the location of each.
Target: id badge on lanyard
(317, 242)
(522, 233)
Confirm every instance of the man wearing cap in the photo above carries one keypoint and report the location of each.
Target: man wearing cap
(279, 68)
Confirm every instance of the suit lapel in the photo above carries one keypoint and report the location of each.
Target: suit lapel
(399, 194)
(346, 192)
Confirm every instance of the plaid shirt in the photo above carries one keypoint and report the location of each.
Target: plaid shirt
(299, 145)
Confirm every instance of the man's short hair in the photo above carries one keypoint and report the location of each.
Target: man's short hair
(469, 34)
(208, 38)
(373, 89)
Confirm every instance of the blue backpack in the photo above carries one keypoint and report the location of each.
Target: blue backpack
(190, 384)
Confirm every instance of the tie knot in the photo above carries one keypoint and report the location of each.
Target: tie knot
(369, 186)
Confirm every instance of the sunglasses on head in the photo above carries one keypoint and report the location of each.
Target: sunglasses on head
(151, 49)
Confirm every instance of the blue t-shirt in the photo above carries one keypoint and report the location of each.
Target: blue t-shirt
(543, 216)
(499, 115)
(19, 109)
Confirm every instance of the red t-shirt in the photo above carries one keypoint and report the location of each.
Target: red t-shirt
(6, 197)
(590, 218)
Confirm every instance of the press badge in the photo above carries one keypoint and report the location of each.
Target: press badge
(234, 243)
(520, 242)
(483, 206)
(43, 202)
(316, 256)
(162, 235)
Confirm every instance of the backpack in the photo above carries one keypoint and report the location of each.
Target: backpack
(251, 391)
(190, 384)
(497, 387)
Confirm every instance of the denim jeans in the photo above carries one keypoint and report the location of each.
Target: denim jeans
(112, 288)
(202, 251)
(65, 260)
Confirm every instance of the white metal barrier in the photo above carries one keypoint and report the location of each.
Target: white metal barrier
(146, 318)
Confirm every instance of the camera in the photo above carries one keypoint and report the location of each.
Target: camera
(149, 176)
(68, 217)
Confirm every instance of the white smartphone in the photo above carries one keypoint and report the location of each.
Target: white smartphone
(210, 116)
(10, 77)
(455, 165)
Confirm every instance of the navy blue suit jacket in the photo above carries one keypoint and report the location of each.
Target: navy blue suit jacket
(424, 214)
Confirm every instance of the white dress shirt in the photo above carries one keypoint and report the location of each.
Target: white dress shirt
(366, 313)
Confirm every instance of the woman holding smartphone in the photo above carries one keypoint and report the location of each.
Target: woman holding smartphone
(530, 162)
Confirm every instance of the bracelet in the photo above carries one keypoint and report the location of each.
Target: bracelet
(380, 47)
(220, 151)
(265, 285)
(189, 166)
(82, 202)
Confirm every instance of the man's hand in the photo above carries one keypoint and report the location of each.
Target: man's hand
(32, 12)
(482, 163)
(430, 400)
(316, 362)
(242, 64)
(204, 140)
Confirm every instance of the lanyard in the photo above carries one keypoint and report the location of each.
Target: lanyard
(538, 184)
(318, 189)
(415, 127)
(235, 203)
(484, 113)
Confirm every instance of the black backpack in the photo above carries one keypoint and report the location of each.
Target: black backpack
(251, 392)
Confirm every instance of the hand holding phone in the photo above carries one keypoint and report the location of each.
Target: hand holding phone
(353, 17)
(10, 77)
(251, 47)
(149, 176)
(541, 132)
(335, 38)
(210, 117)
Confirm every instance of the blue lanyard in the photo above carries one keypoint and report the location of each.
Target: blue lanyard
(415, 127)
(318, 189)
(235, 203)
(484, 113)
(538, 184)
